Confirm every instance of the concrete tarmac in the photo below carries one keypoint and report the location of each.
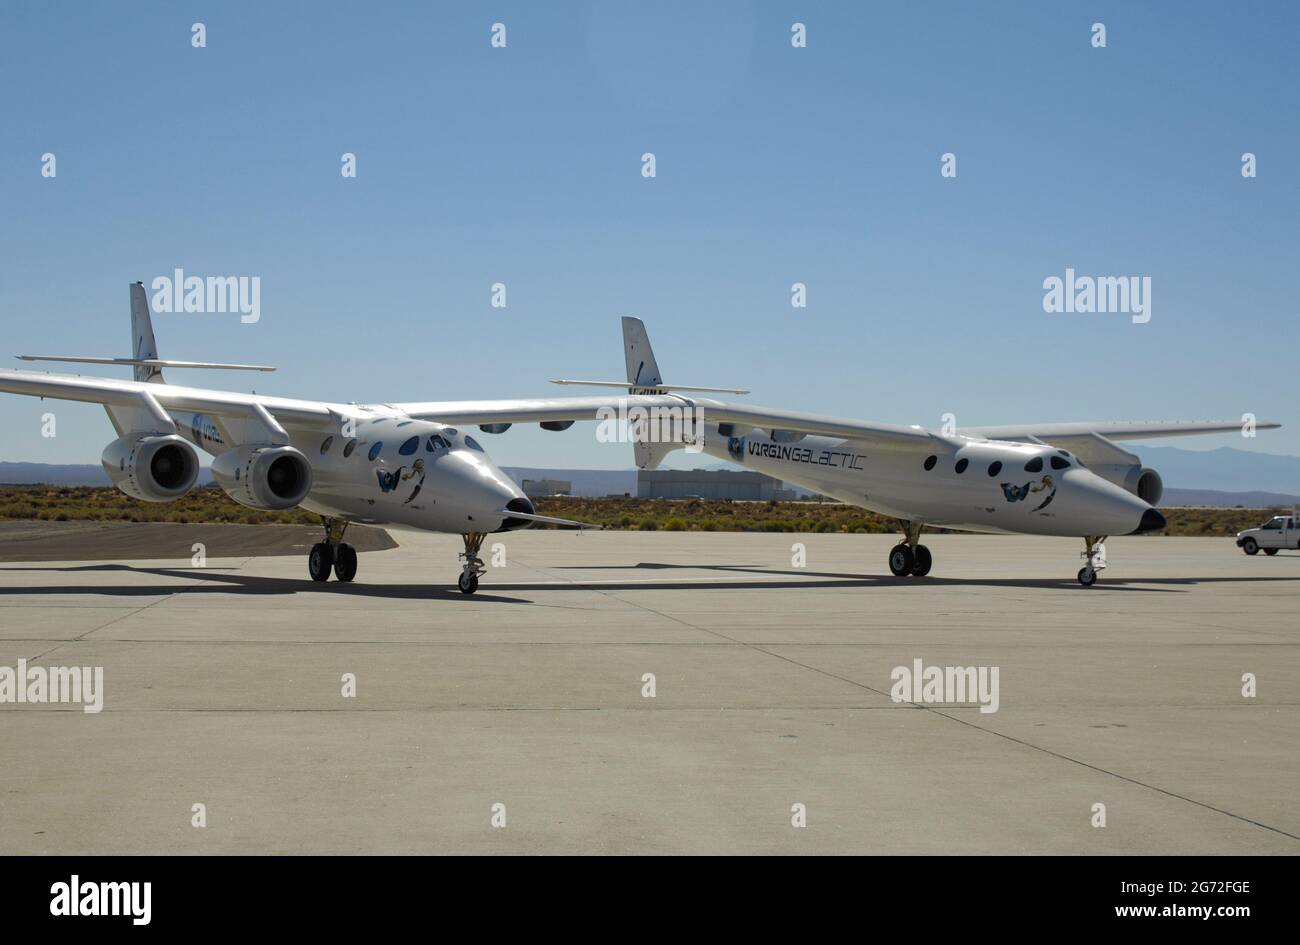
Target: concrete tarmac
(223, 687)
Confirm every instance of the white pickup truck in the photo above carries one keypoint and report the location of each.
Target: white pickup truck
(1281, 531)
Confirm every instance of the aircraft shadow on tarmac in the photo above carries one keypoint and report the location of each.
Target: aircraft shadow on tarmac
(215, 580)
(838, 579)
(233, 582)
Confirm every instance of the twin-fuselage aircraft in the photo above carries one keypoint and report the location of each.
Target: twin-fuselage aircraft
(419, 466)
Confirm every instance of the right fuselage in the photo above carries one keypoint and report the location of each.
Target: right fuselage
(953, 482)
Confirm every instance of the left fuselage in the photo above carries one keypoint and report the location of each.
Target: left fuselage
(393, 471)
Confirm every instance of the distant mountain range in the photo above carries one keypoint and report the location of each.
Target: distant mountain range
(1219, 477)
(1253, 499)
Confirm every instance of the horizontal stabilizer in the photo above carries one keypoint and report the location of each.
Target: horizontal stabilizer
(655, 388)
(147, 362)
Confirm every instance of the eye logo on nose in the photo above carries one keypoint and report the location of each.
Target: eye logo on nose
(1014, 493)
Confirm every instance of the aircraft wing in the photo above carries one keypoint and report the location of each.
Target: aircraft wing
(561, 409)
(530, 410)
(1112, 429)
(112, 392)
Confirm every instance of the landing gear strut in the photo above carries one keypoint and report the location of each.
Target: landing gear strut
(910, 557)
(473, 565)
(1095, 554)
(332, 554)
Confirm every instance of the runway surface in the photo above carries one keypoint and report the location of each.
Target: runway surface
(32, 540)
(222, 687)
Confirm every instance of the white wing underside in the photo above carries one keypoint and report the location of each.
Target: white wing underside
(1112, 429)
(141, 395)
(712, 411)
(264, 411)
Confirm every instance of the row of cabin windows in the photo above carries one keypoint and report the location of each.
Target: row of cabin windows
(995, 467)
(434, 443)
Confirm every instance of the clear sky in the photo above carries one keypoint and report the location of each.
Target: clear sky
(774, 165)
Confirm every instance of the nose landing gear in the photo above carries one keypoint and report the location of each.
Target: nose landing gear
(910, 557)
(1095, 553)
(473, 565)
(332, 554)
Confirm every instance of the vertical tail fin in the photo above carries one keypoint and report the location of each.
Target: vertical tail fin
(143, 346)
(642, 369)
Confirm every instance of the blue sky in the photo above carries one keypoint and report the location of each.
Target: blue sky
(775, 165)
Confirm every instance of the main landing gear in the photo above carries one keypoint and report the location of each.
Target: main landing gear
(1095, 553)
(332, 554)
(473, 565)
(910, 557)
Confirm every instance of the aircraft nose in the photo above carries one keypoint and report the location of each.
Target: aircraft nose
(1152, 521)
(483, 490)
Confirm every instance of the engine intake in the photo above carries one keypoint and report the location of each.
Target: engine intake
(1150, 487)
(1143, 481)
(270, 478)
(151, 467)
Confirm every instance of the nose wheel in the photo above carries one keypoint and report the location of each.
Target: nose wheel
(1095, 555)
(472, 565)
(910, 557)
(332, 554)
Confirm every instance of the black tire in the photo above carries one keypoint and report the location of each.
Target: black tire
(319, 561)
(1250, 546)
(345, 563)
(901, 561)
(1087, 577)
(921, 567)
(468, 583)
(1270, 551)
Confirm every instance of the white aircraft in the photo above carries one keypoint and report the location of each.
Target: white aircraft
(408, 466)
(1065, 479)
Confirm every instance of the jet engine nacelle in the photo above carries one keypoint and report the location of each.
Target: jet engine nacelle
(1143, 481)
(154, 467)
(264, 477)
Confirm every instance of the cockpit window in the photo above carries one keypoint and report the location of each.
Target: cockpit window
(1058, 463)
(450, 431)
(435, 443)
(1034, 465)
(410, 446)
(473, 443)
(374, 450)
